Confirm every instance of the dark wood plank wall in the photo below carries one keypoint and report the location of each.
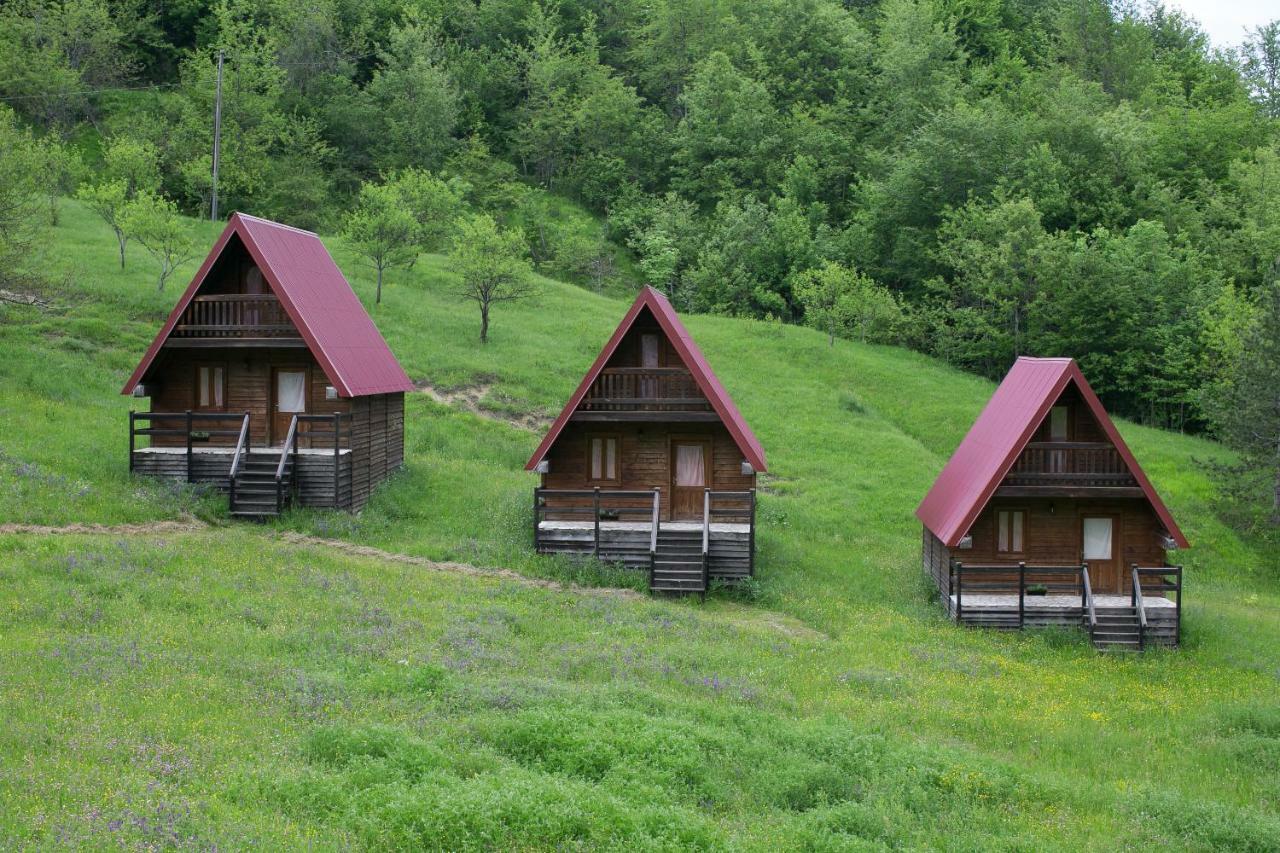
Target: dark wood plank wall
(248, 380)
(629, 351)
(1082, 425)
(936, 560)
(645, 457)
(1052, 533)
(377, 443)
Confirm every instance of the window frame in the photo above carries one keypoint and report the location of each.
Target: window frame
(616, 438)
(1022, 552)
(197, 386)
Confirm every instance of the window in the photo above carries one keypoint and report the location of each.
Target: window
(649, 350)
(210, 386)
(1097, 538)
(602, 459)
(1009, 531)
(1058, 423)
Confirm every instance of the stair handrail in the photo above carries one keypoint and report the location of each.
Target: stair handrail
(653, 534)
(241, 446)
(289, 444)
(1139, 607)
(1088, 600)
(706, 536)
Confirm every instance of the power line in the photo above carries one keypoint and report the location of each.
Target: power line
(88, 92)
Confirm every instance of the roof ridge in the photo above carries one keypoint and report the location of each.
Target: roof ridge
(274, 224)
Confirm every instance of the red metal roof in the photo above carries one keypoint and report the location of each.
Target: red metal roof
(693, 359)
(1010, 419)
(318, 300)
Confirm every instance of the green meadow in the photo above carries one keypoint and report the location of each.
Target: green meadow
(238, 685)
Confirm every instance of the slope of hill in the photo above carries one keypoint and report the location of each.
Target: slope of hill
(232, 685)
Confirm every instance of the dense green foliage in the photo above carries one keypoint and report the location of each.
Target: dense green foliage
(1072, 177)
(232, 687)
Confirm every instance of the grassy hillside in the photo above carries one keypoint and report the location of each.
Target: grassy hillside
(233, 686)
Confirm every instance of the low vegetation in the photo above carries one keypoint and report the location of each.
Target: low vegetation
(237, 685)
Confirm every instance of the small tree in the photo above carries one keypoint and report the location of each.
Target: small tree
(493, 265)
(841, 300)
(130, 167)
(20, 196)
(434, 204)
(154, 222)
(61, 172)
(383, 229)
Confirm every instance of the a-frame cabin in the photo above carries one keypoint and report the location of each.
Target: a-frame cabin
(270, 380)
(1043, 516)
(650, 463)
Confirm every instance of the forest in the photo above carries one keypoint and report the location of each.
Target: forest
(973, 179)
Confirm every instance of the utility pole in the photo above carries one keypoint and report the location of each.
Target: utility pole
(217, 139)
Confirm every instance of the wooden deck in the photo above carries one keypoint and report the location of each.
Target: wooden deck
(1066, 611)
(212, 465)
(628, 543)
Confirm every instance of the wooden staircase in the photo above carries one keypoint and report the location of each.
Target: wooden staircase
(253, 486)
(1117, 630)
(679, 563)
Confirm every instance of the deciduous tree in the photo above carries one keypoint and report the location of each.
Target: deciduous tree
(491, 264)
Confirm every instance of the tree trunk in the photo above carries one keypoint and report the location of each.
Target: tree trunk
(484, 322)
(377, 300)
(122, 240)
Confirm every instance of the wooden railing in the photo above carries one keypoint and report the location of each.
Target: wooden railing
(287, 453)
(185, 425)
(1086, 601)
(1135, 598)
(242, 446)
(334, 419)
(1012, 580)
(1162, 580)
(706, 539)
(660, 389)
(596, 505)
(235, 316)
(1069, 463)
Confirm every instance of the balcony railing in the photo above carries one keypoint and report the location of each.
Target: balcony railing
(645, 389)
(1070, 463)
(235, 316)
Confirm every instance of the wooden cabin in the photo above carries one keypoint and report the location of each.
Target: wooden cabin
(1044, 517)
(270, 380)
(650, 464)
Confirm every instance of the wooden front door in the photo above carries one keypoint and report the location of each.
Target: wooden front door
(288, 398)
(1100, 543)
(690, 476)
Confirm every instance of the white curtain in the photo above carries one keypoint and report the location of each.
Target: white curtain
(604, 458)
(217, 387)
(291, 391)
(1097, 539)
(648, 350)
(689, 467)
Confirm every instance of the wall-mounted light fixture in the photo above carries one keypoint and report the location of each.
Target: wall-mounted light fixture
(747, 470)
(966, 543)
(330, 393)
(543, 467)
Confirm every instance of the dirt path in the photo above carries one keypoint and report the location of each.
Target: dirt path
(139, 529)
(457, 568)
(470, 398)
(742, 616)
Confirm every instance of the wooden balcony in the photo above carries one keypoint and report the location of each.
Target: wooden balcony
(645, 394)
(1069, 469)
(235, 320)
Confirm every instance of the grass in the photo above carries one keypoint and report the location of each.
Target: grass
(229, 687)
